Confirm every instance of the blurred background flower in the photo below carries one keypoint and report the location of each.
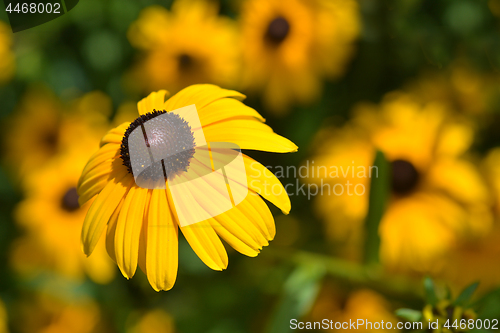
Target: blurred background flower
(438, 196)
(408, 87)
(189, 44)
(288, 48)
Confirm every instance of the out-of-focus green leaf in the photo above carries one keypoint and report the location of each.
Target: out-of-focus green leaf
(430, 291)
(379, 193)
(300, 291)
(409, 314)
(466, 294)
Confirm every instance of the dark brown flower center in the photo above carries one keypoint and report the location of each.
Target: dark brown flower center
(277, 31)
(172, 136)
(186, 62)
(405, 176)
(69, 201)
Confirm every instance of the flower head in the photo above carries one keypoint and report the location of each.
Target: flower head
(142, 224)
(438, 196)
(44, 127)
(289, 47)
(189, 44)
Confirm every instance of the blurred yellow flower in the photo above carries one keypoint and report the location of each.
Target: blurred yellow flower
(460, 85)
(7, 59)
(3, 318)
(438, 197)
(187, 45)
(289, 47)
(45, 313)
(362, 304)
(157, 321)
(43, 127)
(52, 219)
(49, 213)
(477, 259)
(142, 224)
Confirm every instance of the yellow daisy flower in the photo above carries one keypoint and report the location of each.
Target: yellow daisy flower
(43, 127)
(461, 85)
(477, 259)
(51, 217)
(7, 59)
(187, 45)
(438, 197)
(142, 224)
(290, 46)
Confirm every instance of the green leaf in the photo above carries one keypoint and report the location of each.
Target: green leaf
(409, 314)
(300, 292)
(430, 291)
(379, 194)
(466, 294)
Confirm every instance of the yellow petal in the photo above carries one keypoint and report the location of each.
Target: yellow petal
(115, 135)
(155, 101)
(101, 210)
(203, 240)
(162, 243)
(128, 230)
(206, 244)
(201, 95)
(224, 109)
(265, 183)
(102, 155)
(237, 239)
(111, 231)
(97, 179)
(260, 215)
(248, 134)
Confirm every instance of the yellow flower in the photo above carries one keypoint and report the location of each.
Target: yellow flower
(467, 90)
(42, 127)
(476, 260)
(7, 59)
(187, 45)
(52, 219)
(288, 47)
(157, 321)
(438, 197)
(142, 225)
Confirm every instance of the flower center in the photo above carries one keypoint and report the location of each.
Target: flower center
(404, 176)
(277, 31)
(172, 136)
(69, 201)
(186, 62)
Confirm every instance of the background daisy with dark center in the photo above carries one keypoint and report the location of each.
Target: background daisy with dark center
(44, 127)
(141, 224)
(50, 209)
(438, 197)
(290, 47)
(189, 44)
